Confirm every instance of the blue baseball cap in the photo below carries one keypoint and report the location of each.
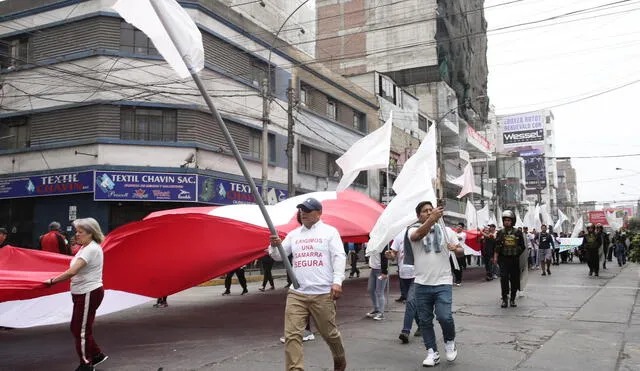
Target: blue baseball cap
(310, 204)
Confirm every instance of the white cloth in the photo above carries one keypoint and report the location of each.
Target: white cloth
(405, 271)
(432, 268)
(318, 257)
(375, 261)
(88, 277)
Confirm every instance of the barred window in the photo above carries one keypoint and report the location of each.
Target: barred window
(15, 133)
(149, 124)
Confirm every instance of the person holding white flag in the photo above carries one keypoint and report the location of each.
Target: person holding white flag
(370, 152)
(428, 245)
(414, 184)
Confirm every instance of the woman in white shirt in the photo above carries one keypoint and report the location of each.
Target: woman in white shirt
(85, 272)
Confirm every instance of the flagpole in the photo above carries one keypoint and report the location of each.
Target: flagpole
(232, 146)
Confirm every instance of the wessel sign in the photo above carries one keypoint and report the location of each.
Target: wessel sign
(134, 186)
(519, 137)
(47, 185)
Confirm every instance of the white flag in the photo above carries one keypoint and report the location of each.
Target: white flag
(614, 223)
(519, 221)
(536, 218)
(499, 218)
(466, 179)
(546, 217)
(578, 228)
(370, 152)
(472, 216)
(424, 158)
(561, 219)
(483, 216)
(412, 186)
(159, 19)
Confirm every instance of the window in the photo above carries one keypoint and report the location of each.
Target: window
(303, 96)
(148, 124)
(255, 145)
(359, 122)
(335, 172)
(387, 89)
(304, 162)
(15, 52)
(15, 133)
(548, 119)
(362, 179)
(423, 123)
(331, 109)
(135, 41)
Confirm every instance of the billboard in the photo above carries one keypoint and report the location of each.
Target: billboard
(226, 192)
(524, 134)
(47, 185)
(135, 186)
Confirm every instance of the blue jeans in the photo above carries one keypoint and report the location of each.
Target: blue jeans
(410, 312)
(405, 283)
(376, 290)
(438, 299)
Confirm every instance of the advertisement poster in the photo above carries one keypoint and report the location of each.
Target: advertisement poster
(47, 185)
(524, 134)
(136, 186)
(226, 192)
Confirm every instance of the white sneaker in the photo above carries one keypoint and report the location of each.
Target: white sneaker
(372, 314)
(433, 358)
(308, 336)
(451, 351)
(378, 317)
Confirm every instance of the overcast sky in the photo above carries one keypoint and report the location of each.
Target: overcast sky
(567, 59)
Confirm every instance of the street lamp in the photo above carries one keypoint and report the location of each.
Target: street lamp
(266, 104)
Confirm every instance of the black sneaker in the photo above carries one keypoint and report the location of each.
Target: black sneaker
(226, 293)
(404, 337)
(245, 291)
(513, 304)
(504, 304)
(99, 358)
(85, 367)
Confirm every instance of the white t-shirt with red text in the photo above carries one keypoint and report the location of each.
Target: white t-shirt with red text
(319, 259)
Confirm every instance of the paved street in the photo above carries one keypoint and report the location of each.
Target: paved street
(566, 321)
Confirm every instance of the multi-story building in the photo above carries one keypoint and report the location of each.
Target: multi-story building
(92, 115)
(418, 45)
(531, 137)
(567, 193)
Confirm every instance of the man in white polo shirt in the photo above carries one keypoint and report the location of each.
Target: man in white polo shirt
(318, 262)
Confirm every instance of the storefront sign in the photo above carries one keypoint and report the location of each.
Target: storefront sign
(478, 139)
(226, 192)
(47, 185)
(134, 186)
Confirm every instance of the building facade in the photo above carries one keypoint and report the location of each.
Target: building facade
(95, 123)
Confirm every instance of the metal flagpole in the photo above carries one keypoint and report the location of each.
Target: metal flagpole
(232, 145)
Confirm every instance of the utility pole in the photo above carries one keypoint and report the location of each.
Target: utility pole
(482, 186)
(290, 140)
(266, 105)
